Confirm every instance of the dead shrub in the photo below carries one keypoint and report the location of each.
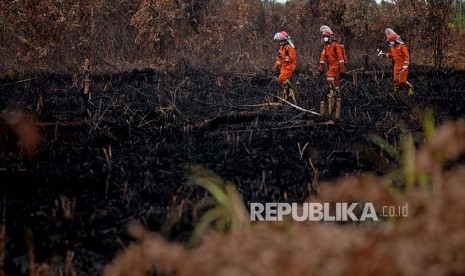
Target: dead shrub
(25, 129)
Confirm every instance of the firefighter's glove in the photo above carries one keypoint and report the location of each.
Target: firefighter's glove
(321, 68)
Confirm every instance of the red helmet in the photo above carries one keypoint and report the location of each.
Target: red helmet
(326, 33)
(392, 37)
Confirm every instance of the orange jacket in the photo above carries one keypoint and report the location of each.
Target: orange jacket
(332, 52)
(399, 54)
(286, 58)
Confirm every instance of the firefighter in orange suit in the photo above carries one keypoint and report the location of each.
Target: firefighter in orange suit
(333, 54)
(286, 62)
(400, 55)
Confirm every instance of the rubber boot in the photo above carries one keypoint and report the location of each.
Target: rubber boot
(285, 93)
(291, 94)
(286, 90)
(338, 109)
(410, 89)
(322, 108)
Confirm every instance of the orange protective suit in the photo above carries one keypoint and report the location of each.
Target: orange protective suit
(399, 54)
(287, 61)
(332, 52)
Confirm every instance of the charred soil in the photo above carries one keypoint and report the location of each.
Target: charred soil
(125, 158)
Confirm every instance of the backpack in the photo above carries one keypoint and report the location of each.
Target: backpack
(344, 55)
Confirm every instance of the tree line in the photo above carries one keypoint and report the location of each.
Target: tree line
(212, 34)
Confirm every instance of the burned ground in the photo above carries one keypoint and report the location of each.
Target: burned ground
(126, 159)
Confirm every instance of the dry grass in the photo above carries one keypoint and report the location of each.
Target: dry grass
(430, 241)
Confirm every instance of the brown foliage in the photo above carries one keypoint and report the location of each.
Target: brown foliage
(219, 35)
(58, 35)
(26, 133)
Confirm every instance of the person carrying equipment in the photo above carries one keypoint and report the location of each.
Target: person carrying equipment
(286, 63)
(333, 53)
(400, 55)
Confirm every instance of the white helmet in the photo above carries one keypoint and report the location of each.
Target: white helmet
(282, 37)
(326, 29)
(389, 31)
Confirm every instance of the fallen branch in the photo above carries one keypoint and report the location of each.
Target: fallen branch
(20, 81)
(241, 107)
(330, 122)
(70, 123)
(262, 105)
(298, 107)
(237, 117)
(309, 124)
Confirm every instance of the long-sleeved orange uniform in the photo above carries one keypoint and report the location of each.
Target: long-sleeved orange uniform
(400, 55)
(332, 53)
(286, 60)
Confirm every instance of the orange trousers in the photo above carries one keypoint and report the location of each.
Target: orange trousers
(400, 77)
(285, 74)
(332, 75)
